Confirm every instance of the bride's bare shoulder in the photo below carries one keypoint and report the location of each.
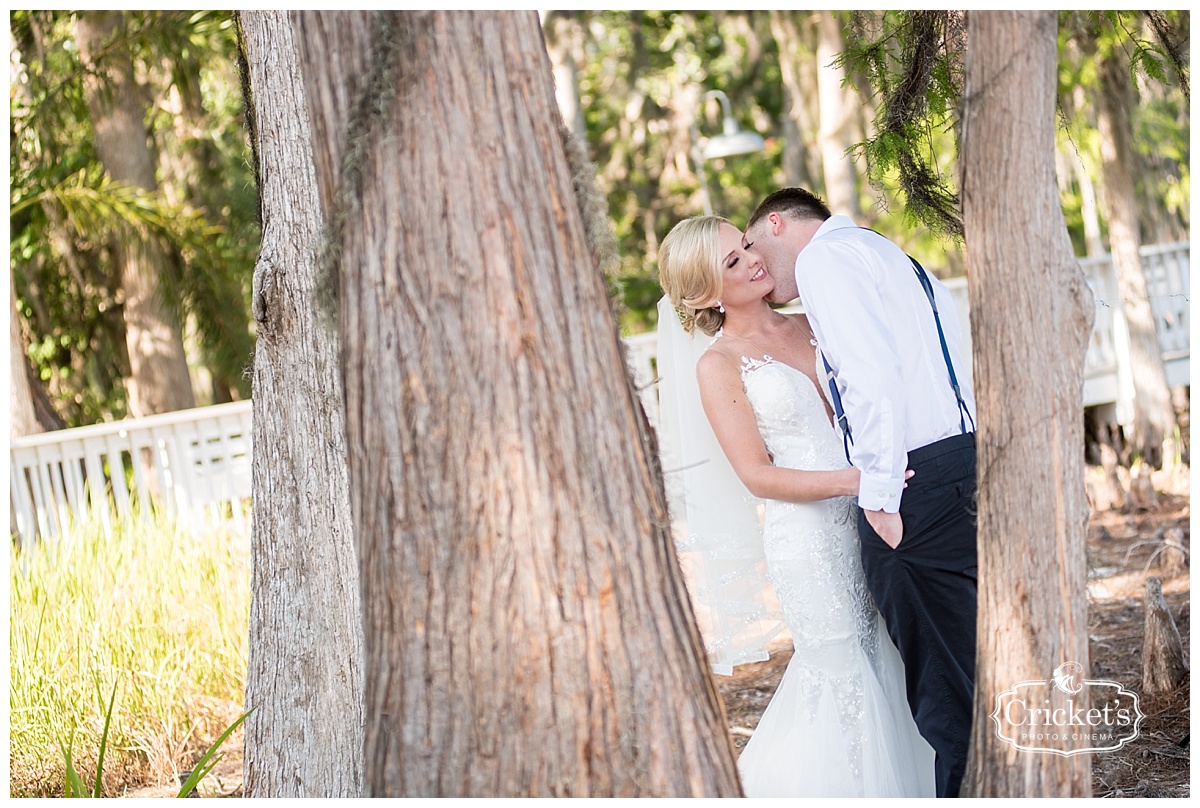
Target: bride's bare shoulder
(719, 359)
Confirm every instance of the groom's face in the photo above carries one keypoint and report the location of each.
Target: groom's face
(765, 240)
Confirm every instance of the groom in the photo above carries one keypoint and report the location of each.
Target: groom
(890, 363)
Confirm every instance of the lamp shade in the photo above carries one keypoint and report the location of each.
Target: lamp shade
(730, 143)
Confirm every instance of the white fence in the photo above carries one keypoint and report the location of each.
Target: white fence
(195, 464)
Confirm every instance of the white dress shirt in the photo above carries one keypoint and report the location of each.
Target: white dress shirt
(874, 324)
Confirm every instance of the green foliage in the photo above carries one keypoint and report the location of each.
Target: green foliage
(209, 760)
(74, 785)
(913, 64)
(639, 68)
(1160, 117)
(163, 611)
(67, 217)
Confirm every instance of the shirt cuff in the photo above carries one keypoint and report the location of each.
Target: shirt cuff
(877, 492)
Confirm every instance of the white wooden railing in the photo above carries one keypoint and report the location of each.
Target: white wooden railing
(192, 464)
(195, 464)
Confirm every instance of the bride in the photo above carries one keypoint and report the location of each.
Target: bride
(839, 723)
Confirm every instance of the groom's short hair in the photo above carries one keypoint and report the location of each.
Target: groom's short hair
(796, 203)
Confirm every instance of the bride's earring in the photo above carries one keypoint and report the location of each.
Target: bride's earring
(720, 307)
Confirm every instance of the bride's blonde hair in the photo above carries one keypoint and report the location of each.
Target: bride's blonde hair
(688, 272)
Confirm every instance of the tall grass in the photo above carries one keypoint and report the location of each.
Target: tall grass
(153, 610)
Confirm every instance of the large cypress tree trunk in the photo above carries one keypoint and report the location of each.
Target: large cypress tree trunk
(159, 380)
(304, 677)
(1153, 415)
(1031, 315)
(527, 628)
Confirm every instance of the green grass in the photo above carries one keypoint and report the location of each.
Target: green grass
(157, 613)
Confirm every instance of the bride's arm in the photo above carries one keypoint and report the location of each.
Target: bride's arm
(733, 423)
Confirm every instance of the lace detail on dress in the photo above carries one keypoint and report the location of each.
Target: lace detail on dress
(749, 364)
(812, 552)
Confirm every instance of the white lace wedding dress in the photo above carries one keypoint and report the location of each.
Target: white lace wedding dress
(839, 723)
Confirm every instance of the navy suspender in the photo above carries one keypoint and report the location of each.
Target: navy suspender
(844, 423)
(962, 406)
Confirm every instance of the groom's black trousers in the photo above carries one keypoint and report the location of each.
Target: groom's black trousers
(926, 591)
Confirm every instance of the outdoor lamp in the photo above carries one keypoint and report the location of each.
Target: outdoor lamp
(731, 141)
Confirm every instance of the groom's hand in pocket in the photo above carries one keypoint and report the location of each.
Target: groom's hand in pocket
(889, 526)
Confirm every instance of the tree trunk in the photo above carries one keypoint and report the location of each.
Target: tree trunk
(24, 418)
(304, 674)
(1089, 209)
(1163, 665)
(527, 628)
(31, 409)
(798, 123)
(1031, 315)
(834, 110)
(1154, 417)
(223, 323)
(564, 43)
(159, 379)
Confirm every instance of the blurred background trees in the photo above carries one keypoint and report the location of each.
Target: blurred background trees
(133, 209)
(814, 84)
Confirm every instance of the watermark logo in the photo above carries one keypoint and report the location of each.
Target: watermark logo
(1091, 715)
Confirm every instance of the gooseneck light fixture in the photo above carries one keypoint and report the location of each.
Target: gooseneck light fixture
(733, 140)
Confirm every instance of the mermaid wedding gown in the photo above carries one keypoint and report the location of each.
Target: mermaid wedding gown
(839, 723)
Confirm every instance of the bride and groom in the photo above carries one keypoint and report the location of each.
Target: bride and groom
(867, 528)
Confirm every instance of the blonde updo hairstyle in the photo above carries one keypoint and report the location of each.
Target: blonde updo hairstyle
(689, 274)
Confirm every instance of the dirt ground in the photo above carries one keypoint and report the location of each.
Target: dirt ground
(1122, 551)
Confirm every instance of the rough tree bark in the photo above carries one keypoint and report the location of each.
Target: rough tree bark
(1153, 415)
(159, 380)
(527, 627)
(304, 676)
(1031, 314)
(1163, 664)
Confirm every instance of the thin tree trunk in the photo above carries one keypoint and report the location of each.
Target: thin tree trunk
(527, 628)
(226, 346)
(834, 113)
(159, 380)
(30, 407)
(798, 122)
(1154, 417)
(304, 674)
(1075, 167)
(1031, 315)
(564, 43)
